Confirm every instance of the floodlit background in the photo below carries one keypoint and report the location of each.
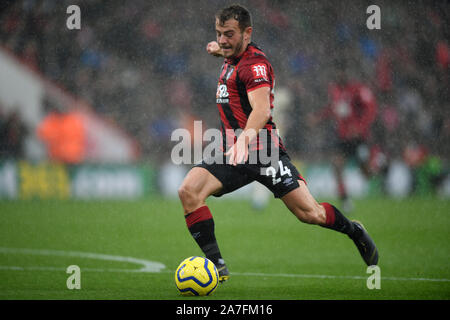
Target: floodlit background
(138, 70)
(86, 176)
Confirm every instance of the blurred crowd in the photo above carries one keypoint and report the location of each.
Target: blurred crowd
(12, 135)
(143, 64)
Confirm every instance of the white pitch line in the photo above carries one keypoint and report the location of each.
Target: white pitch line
(324, 276)
(146, 265)
(44, 268)
(157, 267)
(246, 274)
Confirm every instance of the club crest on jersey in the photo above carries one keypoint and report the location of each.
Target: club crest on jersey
(222, 94)
(259, 71)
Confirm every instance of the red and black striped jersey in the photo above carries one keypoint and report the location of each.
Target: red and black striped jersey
(239, 76)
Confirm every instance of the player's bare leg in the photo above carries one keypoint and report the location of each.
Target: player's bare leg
(196, 187)
(303, 205)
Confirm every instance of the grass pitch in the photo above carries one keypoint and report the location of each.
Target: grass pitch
(270, 254)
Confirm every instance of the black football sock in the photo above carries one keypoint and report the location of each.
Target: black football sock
(201, 226)
(335, 220)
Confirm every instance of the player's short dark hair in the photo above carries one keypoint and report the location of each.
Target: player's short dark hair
(237, 12)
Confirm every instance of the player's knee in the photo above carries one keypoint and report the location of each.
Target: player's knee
(188, 196)
(186, 193)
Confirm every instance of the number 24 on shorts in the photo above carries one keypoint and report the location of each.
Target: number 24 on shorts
(271, 171)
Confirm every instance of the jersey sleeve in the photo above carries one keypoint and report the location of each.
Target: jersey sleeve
(256, 74)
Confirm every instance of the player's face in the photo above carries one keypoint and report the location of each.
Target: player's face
(230, 38)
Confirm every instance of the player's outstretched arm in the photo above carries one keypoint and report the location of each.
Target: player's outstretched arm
(214, 49)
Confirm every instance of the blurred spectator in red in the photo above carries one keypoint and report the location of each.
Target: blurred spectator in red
(384, 71)
(352, 108)
(443, 55)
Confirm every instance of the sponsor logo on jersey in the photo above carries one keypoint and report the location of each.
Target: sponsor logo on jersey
(222, 94)
(259, 71)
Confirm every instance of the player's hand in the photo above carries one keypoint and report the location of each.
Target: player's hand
(214, 49)
(238, 153)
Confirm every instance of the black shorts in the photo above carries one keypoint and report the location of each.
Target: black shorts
(279, 180)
